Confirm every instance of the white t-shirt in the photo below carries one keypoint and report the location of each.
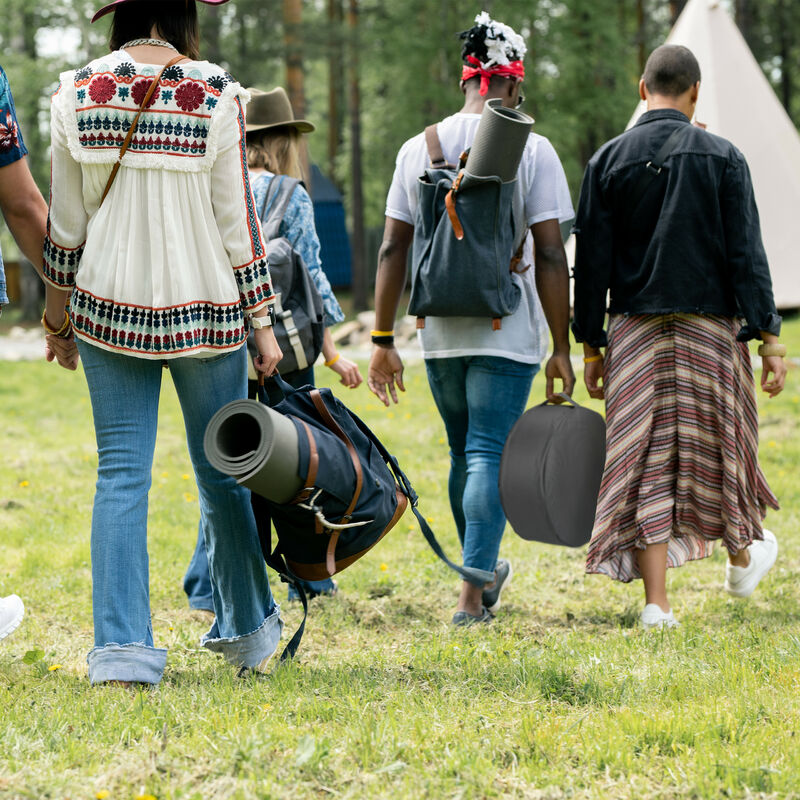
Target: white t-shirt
(541, 193)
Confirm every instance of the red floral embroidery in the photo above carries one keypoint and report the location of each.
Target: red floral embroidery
(102, 89)
(139, 90)
(9, 138)
(190, 96)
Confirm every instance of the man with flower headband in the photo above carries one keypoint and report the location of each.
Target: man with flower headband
(480, 378)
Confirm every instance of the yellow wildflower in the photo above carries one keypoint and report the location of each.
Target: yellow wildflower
(185, 476)
(54, 667)
(23, 484)
(384, 567)
(102, 794)
(189, 498)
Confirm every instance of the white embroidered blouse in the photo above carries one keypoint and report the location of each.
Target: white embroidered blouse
(174, 257)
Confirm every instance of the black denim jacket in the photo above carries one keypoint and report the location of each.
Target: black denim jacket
(692, 245)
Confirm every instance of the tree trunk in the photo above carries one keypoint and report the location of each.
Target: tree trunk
(359, 272)
(641, 37)
(785, 44)
(335, 70)
(295, 79)
(744, 19)
(675, 9)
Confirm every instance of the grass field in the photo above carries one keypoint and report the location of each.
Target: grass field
(562, 697)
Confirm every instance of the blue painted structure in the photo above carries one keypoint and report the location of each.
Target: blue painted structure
(329, 218)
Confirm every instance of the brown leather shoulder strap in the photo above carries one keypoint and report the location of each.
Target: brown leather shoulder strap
(127, 143)
(334, 427)
(313, 466)
(434, 146)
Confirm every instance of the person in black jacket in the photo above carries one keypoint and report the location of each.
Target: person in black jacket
(667, 224)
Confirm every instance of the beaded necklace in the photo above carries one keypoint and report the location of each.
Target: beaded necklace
(153, 42)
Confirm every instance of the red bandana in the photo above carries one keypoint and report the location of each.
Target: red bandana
(515, 69)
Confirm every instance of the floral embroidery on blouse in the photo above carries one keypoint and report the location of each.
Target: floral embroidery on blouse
(298, 227)
(195, 300)
(109, 100)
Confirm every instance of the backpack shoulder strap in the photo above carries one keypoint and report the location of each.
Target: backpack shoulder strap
(279, 195)
(435, 152)
(653, 167)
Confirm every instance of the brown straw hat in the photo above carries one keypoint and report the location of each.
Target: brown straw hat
(272, 110)
(107, 9)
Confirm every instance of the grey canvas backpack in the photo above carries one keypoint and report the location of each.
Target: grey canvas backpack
(463, 250)
(299, 325)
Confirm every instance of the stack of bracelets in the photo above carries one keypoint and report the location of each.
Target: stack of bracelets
(64, 332)
(383, 338)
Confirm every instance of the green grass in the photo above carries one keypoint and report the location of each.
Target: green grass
(563, 697)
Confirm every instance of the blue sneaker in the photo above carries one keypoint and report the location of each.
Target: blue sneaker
(502, 577)
(314, 589)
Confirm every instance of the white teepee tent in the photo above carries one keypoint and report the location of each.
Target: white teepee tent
(737, 102)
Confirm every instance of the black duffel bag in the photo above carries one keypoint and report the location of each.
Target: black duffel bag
(353, 492)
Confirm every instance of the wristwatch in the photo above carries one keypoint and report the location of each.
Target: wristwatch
(263, 322)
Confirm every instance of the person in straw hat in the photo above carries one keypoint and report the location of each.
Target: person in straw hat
(273, 138)
(162, 252)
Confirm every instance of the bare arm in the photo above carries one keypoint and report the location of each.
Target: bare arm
(346, 369)
(24, 209)
(552, 284)
(385, 366)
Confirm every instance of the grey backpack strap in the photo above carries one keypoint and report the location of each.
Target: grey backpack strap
(279, 195)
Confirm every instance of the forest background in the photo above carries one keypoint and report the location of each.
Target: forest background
(372, 73)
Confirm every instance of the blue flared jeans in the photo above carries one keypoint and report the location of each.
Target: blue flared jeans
(479, 399)
(125, 392)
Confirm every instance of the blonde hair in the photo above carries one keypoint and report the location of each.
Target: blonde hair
(276, 150)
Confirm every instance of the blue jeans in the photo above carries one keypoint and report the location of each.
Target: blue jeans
(197, 581)
(479, 399)
(125, 393)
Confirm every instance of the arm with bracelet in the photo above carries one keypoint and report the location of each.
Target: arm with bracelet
(385, 374)
(773, 373)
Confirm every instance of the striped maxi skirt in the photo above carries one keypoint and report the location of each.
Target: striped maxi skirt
(681, 443)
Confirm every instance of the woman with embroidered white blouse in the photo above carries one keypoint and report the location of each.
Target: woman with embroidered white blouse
(167, 267)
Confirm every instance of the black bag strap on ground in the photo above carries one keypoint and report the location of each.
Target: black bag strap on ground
(652, 169)
(279, 195)
(467, 573)
(276, 561)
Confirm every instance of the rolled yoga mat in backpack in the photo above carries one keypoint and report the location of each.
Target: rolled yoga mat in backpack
(499, 142)
(257, 446)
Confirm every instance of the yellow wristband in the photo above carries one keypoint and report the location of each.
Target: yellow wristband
(333, 360)
(592, 358)
(382, 333)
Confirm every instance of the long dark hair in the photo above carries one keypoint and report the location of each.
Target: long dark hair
(175, 21)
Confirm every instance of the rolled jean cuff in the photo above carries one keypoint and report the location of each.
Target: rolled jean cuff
(126, 662)
(202, 603)
(252, 648)
(479, 577)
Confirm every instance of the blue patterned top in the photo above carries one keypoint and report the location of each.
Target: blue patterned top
(12, 149)
(298, 228)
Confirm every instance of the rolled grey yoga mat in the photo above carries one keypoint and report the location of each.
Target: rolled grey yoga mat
(499, 142)
(257, 446)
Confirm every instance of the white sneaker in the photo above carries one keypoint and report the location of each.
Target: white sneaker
(11, 613)
(654, 617)
(742, 581)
